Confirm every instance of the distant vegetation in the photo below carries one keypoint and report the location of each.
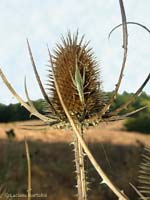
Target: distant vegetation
(15, 112)
(139, 122)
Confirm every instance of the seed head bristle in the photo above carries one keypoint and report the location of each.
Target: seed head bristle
(77, 75)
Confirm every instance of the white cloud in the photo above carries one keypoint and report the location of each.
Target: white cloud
(44, 22)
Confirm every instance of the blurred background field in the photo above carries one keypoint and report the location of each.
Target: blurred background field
(53, 172)
(118, 152)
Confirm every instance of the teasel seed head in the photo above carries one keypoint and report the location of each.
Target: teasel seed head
(78, 77)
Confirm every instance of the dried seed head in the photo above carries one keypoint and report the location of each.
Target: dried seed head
(77, 75)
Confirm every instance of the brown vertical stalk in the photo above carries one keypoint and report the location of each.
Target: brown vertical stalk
(29, 170)
(77, 166)
(80, 168)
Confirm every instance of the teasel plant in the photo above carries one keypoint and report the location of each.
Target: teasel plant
(144, 175)
(75, 98)
(143, 188)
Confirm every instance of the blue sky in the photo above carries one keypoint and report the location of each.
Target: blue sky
(43, 22)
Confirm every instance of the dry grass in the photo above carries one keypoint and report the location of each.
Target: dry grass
(113, 133)
(50, 156)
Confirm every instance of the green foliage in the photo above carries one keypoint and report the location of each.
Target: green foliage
(139, 122)
(121, 99)
(15, 112)
(140, 101)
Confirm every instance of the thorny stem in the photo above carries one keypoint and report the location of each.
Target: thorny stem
(80, 168)
(79, 154)
(77, 163)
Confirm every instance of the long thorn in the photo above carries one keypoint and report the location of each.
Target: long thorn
(38, 79)
(125, 45)
(51, 62)
(122, 117)
(21, 101)
(27, 95)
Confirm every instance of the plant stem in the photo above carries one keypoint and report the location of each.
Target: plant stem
(80, 169)
(29, 170)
